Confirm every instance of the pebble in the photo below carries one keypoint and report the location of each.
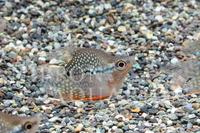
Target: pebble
(148, 131)
(54, 119)
(42, 59)
(108, 123)
(79, 127)
(120, 117)
(159, 18)
(24, 109)
(188, 107)
(2, 81)
(169, 122)
(172, 116)
(191, 116)
(121, 28)
(198, 121)
(79, 103)
(136, 110)
(52, 61)
(174, 61)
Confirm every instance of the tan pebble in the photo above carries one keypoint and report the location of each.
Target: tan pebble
(80, 110)
(196, 105)
(135, 110)
(128, 8)
(1, 94)
(2, 81)
(122, 29)
(79, 127)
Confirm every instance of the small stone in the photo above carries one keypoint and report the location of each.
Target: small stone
(167, 104)
(189, 125)
(131, 126)
(188, 107)
(174, 60)
(108, 123)
(118, 130)
(42, 59)
(172, 116)
(123, 102)
(191, 116)
(121, 28)
(79, 103)
(198, 121)
(9, 47)
(99, 9)
(147, 124)
(54, 119)
(196, 106)
(8, 103)
(54, 62)
(56, 45)
(144, 115)
(159, 18)
(137, 66)
(120, 124)
(2, 94)
(102, 28)
(112, 106)
(79, 127)
(169, 122)
(49, 47)
(25, 36)
(2, 81)
(107, 6)
(152, 111)
(159, 8)
(135, 110)
(24, 109)
(120, 117)
(144, 30)
(128, 8)
(149, 35)
(148, 131)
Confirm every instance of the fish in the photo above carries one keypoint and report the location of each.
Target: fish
(86, 74)
(185, 74)
(18, 124)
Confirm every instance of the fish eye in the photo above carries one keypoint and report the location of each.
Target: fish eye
(28, 125)
(121, 65)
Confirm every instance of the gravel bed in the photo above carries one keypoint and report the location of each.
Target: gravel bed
(152, 30)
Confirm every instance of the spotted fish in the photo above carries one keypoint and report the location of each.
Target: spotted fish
(89, 74)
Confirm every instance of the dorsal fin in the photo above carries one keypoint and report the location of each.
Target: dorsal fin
(64, 53)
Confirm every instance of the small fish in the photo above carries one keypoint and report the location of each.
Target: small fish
(185, 75)
(88, 74)
(16, 124)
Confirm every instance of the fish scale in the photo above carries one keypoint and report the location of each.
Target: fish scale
(90, 74)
